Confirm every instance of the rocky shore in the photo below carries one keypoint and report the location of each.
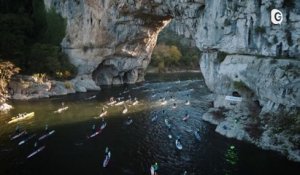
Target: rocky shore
(27, 87)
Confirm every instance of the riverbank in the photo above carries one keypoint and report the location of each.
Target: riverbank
(24, 87)
(172, 70)
(240, 120)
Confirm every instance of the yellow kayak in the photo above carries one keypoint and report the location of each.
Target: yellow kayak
(20, 117)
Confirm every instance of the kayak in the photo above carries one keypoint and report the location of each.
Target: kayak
(128, 122)
(95, 133)
(92, 97)
(125, 111)
(17, 135)
(60, 110)
(167, 123)
(103, 114)
(46, 135)
(103, 125)
(35, 152)
(187, 103)
(186, 117)
(197, 135)
(154, 118)
(163, 102)
(152, 170)
(119, 103)
(135, 103)
(27, 139)
(106, 160)
(178, 144)
(23, 117)
(112, 103)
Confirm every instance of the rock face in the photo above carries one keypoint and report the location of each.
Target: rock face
(112, 40)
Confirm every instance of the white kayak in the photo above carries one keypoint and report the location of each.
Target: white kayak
(35, 152)
(60, 110)
(92, 97)
(129, 122)
(103, 114)
(154, 118)
(152, 170)
(197, 135)
(187, 103)
(186, 117)
(112, 103)
(163, 102)
(178, 144)
(95, 133)
(119, 103)
(17, 135)
(125, 111)
(103, 126)
(98, 131)
(135, 103)
(46, 135)
(167, 123)
(27, 139)
(106, 160)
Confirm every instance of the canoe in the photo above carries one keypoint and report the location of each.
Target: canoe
(178, 144)
(25, 116)
(60, 110)
(46, 135)
(35, 152)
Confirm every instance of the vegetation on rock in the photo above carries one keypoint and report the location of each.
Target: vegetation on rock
(30, 38)
(7, 70)
(174, 52)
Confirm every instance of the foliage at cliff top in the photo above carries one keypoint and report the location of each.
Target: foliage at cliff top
(174, 51)
(7, 70)
(30, 38)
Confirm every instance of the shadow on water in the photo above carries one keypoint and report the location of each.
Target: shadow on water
(135, 147)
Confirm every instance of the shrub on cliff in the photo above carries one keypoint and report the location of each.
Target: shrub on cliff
(51, 61)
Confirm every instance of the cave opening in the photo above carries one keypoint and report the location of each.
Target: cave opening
(174, 52)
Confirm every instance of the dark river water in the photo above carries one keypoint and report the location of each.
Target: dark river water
(134, 148)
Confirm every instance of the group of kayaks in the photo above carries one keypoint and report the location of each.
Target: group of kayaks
(23, 137)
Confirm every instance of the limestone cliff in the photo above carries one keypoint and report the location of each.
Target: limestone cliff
(111, 41)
